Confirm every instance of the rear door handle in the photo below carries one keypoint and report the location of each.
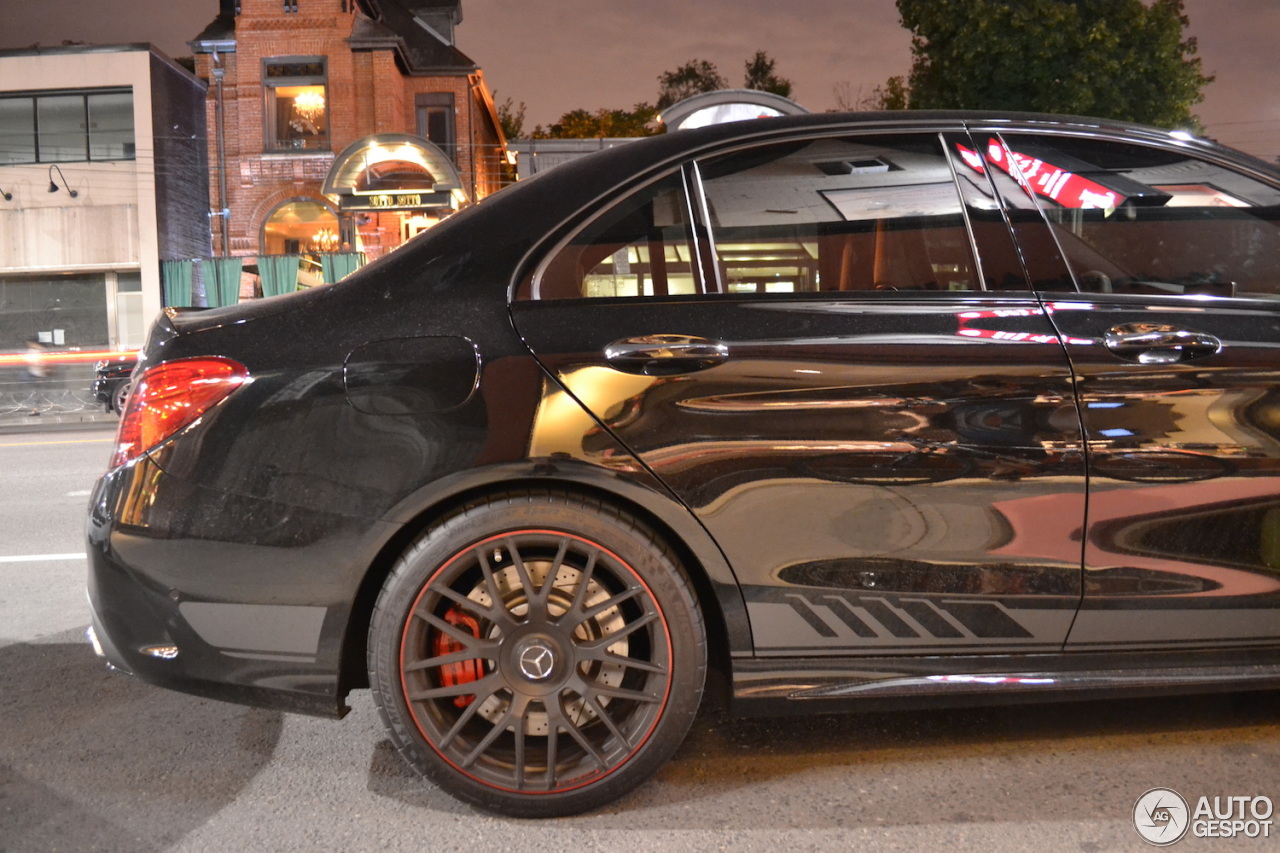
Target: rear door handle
(1151, 343)
(665, 355)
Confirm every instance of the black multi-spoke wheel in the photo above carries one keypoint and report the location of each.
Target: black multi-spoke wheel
(120, 396)
(537, 654)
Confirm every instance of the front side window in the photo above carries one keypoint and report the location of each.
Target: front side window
(297, 105)
(1131, 218)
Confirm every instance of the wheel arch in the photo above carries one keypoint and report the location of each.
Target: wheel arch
(724, 610)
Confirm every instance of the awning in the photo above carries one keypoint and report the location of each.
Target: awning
(394, 171)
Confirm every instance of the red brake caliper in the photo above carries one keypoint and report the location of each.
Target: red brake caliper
(462, 672)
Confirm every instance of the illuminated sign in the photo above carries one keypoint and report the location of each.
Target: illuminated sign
(396, 201)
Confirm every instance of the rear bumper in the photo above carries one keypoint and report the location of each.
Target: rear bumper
(223, 596)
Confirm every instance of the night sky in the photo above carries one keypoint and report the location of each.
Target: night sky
(559, 55)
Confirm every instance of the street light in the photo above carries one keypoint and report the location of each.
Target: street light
(53, 186)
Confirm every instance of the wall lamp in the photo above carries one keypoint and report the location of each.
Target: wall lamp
(7, 195)
(53, 186)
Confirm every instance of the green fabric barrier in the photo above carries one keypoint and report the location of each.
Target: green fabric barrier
(222, 281)
(177, 282)
(279, 274)
(337, 266)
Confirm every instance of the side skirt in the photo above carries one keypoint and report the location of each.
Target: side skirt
(772, 686)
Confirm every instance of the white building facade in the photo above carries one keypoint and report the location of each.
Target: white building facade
(103, 174)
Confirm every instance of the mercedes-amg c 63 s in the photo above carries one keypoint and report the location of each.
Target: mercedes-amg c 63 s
(850, 410)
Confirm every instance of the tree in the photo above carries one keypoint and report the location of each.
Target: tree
(1121, 59)
(760, 76)
(511, 118)
(892, 94)
(693, 78)
(602, 124)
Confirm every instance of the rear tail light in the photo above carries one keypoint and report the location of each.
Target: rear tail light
(170, 396)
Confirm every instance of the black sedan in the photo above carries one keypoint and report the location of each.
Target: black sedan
(112, 381)
(852, 411)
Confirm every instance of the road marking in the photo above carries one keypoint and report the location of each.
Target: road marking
(39, 443)
(81, 493)
(43, 558)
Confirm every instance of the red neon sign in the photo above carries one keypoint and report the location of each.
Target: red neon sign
(1045, 179)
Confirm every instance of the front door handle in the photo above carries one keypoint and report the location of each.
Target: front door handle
(665, 355)
(1152, 343)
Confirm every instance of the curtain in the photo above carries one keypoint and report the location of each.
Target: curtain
(222, 281)
(279, 274)
(177, 282)
(339, 265)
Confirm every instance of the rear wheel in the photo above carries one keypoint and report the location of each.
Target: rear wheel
(537, 654)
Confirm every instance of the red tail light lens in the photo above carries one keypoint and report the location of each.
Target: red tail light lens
(170, 396)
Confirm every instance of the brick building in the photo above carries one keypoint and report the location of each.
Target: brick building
(341, 125)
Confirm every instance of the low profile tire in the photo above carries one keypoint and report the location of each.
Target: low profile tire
(537, 654)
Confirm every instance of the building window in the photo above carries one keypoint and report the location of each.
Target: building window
(301, 226)
(297, 105)
(111, 126)
(61, 122)
(435, 121)
(67, 127)
(55, 311)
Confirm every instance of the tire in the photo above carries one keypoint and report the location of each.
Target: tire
(537, 654)
(120, 396)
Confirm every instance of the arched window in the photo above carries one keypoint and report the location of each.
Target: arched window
(301, 226)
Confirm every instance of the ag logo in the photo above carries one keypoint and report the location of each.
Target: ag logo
(1161, 816)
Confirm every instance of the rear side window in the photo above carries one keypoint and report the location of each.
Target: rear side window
(846, 214)
(1136, 219)
(641, 246)
(842, 214)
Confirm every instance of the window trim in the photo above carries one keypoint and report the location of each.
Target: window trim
(701, 234)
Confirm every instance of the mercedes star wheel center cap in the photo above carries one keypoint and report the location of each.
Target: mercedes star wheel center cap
(536, 660)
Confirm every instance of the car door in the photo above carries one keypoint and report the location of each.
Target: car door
(798, 339)
(1161, 267)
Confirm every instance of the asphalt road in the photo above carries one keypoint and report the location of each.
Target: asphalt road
(93, 761)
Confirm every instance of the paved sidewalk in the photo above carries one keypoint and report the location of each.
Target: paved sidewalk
(41, 406)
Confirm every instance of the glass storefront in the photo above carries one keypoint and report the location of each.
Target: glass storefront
(57, 312)
(53, 329)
